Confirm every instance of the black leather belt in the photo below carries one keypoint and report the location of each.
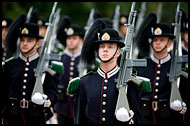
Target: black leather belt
(23, 103)
(162, 106)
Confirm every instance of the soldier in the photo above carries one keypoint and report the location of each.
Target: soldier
(96, 99)
(19, 79)
(155, 105)
(6, 22)
(70, 59)
(123, 29)
(184, 30)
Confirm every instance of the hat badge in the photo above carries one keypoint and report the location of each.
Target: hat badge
(25, 31)
(4, 23)
(123, 19)
(70, 31)
(158, 31)
(40, 22)
(105, 36)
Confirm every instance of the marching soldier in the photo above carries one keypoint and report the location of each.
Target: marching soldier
(70, 58)
(19, 79)
(155, 105)
(123, 29)
(184, 30)
(96, 98)
(6, 22)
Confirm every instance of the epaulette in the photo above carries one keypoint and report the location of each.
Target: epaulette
(5, 61)
(141, 83)
(57, 66)
(90, 72)
(73, 85)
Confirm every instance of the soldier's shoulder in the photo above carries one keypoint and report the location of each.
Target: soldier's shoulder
(7, 61)
(87, 75)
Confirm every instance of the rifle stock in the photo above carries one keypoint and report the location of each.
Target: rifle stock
(126, 64)
(45, 56)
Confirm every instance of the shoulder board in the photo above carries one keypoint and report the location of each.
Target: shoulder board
(90, 72)
(9, 59)
(5, 61)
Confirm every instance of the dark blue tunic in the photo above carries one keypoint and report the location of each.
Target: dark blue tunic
(157, 71)
(19, 79)
(96, 100)
(64, 106)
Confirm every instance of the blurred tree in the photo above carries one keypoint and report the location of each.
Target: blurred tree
(79, 11)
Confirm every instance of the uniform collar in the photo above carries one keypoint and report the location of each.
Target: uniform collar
(33, 57)
(71, 55)
(108, 74)
(160, 61)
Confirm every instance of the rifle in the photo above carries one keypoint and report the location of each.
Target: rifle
(116, 18)
(28, 17)
(176, 60)
(82, 67)
(126, 64)
(159, 12)
(45, 56)
(140, 16)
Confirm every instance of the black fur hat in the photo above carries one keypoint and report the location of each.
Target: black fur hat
(142, 35)
(30, 30)
(88, 48)
(108, 35)
(13, 34)
(6, 22)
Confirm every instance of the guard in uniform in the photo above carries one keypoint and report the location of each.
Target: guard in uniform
(155, 105)
(6, 22)
(184, 30)
(19, 79)
(70, 59)
(96, 98)
(123, 29)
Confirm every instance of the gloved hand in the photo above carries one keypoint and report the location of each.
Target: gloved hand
(47, 103)
(176, 105)
(123, 115)
(184, 109)
(39, 98)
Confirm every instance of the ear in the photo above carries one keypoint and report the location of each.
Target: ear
(169, 43)
(118, 53)
(38, 43)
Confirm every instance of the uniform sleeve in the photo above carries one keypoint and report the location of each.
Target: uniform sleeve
(134, 103)
(79, 106)
(50, 88)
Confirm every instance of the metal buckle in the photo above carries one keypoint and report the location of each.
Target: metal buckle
(155, 105)
(24, 103)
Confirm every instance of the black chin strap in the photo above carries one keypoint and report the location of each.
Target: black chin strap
(31, 48)
(105, 61)
(162, 49)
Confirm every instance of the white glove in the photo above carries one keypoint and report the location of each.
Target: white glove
(123, 115)
(39, 98)
(184, 109)
(176, 105)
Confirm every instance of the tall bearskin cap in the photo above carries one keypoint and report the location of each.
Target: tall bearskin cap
(13, 34)
(88, 52)
(142, 36)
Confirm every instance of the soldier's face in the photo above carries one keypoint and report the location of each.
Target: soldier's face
(73, 42)
(161, 44)
(107, 50)
(185, 36)
(4, 34)
(28, 45)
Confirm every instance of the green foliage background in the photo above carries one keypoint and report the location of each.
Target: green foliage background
(79, 11)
